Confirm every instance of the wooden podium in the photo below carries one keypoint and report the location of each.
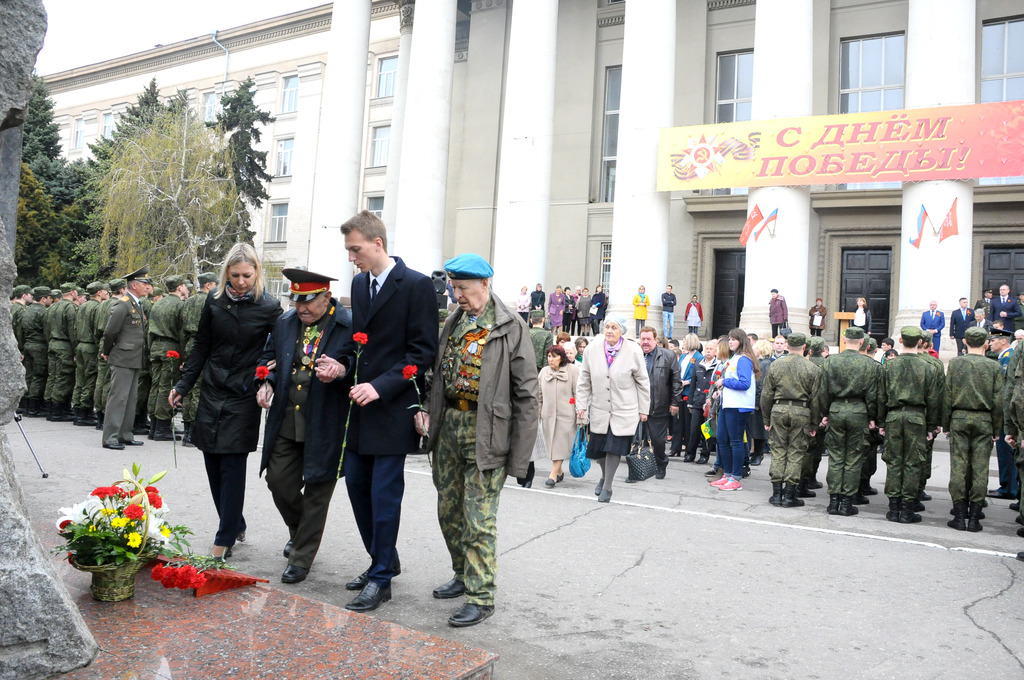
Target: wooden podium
(844, 319)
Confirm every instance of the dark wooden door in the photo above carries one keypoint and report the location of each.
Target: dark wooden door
(868, 274)
(730, 271)
(1003, 265)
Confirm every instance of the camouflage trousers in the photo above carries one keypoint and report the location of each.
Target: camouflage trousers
(467, 506)
(145, 384)
(86, 368)
(190, 404)
(905, 453)
(926, 466)
(815, 452)
(164, 373)
(970, 449)
(789, 439)
(102, 391)
(60, 379)
(847, 441)
(36, 364)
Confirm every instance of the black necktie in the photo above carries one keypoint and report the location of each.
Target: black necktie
(373, 289)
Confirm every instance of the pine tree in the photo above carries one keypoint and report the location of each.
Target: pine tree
(240, 118)
(41, 134)
(38, 231)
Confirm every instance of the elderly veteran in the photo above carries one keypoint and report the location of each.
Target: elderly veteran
(483, 403)
(305, 424)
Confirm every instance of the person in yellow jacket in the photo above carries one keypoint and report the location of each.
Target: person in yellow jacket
(640, 303)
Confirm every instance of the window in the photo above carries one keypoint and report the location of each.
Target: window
(379, 152)
(386, 77)
(610, 140)
(284, 157)
(375, 204)
(606, 267)
(290, 95)
(78, 136)
(733, 95)
(108, 125)
(1002, 70)
(277, 286)
(211, 105)
(278, 223)
(871, 79)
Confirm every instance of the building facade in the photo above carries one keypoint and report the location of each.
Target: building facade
(526, 131)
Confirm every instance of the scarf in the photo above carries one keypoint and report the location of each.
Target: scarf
(235, 296)
(610, 351)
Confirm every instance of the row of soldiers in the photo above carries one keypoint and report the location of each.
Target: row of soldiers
(850, 401)
(60, 338)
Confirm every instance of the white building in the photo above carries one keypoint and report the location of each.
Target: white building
(508, 128)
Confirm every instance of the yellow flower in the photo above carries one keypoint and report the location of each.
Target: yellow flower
(92, 527)
(119, 522)
(134, 540)
(108, 511)
(165, 530)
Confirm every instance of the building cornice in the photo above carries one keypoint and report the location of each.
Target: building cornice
(725, 4)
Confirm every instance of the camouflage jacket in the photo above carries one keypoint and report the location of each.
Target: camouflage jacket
(191, 313)
(909, 380)
(85, 321)
(974, 383)
(850, 377)
(165, 321)
(793, 378)
(33, 325)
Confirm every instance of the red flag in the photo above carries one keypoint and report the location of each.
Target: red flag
(948, 227)
(753, 219)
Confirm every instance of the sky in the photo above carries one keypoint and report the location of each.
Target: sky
(79, 34)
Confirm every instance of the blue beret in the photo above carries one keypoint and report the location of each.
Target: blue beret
(468, 266)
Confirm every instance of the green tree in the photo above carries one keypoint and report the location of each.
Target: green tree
(240, 119)
(38, 229)
(41, 134)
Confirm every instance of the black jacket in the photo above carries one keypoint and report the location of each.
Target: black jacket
(701, 386)
(538, 299)
(227, 348)
(957, 323)
(327, 404)
(666, 385)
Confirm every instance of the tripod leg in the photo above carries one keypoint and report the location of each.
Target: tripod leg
(17, 419)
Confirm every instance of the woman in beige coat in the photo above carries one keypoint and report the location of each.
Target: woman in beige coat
(615, 388)
(557, 396)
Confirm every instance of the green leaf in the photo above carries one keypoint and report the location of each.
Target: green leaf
(135, 469)
(157, 477)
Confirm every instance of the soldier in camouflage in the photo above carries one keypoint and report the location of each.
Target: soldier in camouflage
(973, 413)
(791, 407)
(32, 342)
(191, 313)
(849, 398)
(62, 341)
(102, 391)
(540, 338)
(926, 469)
(816, 449)
(166, 347)
(87, 354)
(21, 298)
(910, 406)
(875, 440)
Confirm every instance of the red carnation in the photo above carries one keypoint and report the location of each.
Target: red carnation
(262, 372)
(134, 512)
(158, 572)
(155, 500)
(572, 400)
(152, 488)
(409, 372)
(171, 354)
(64, 524)
(103, 491)
(360, 338)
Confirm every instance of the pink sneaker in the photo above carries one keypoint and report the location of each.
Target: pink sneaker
(720, 481)
(731, 485)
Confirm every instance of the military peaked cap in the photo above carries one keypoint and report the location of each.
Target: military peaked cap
(306, 285)
(140, 274)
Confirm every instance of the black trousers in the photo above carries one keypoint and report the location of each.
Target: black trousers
(775, 329)
(680, 429)
(376, 485)
(959, 346)
(656, 428)
(696, 439)
(303, 507)
(816, 332)
(226, 474)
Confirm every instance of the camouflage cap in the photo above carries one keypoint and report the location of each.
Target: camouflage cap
(975, 336)
(796, 340)
(158, 291)
(21, 290)
(41, 292)
(95, 287)
(871, 343)
(116, 285)
(912, 333)
(854, 333)
(55, 292)
(172, 282)
(69, 288)
(816, 344)
(207, 277)
(537, 315)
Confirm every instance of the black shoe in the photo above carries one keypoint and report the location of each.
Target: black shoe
(916, 506)
(859, 499)
(959, 521)
(813, 484)
(141, 424)
(789, 497)
(756, 459)
(605, 496)
(660, 474)
(833, 504)
(1004, 495)
(550, 483)
(600, 485)
(470, 615)
(560, 477)
(360, 582)
(186, 440)
(924, 496)
(868, 490)
(1015, 506)
(907, 514)
(99, 421)
(117, 447)
(689, 458)
(294, 574)
(894, 510)
(1020, 556)
(803, 492)
(846, 508)
(713, 472)
(703, 460)
(372, 597)
(288, 553)
(152, 429)
(453, 588)
(973, 515)
(746, 471)
(1020, 532)
(133, 442)
(776, 497)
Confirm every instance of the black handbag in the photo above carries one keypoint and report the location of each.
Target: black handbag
(640, 460)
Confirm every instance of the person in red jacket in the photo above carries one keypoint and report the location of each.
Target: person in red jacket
(694, 315)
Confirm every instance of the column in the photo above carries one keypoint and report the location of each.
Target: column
(783, 85)
(524, 171)
(640, 213)
(340, 154)
(406, 9)
(423, 173)
(940, 72)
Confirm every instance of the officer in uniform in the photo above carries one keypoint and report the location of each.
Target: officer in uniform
(910, 406)
(99, 325)
(166, 347)
(306, 422)
(973, 418)
(87, 354)
(791, 409)
(849, 398)
(816, 450)
(32, 343)
(926, 468)
(191, 313)
(62, 340)
(124, 346)
(142, 424)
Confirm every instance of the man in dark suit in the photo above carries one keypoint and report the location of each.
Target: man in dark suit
(980, 319)
(960, 320)
(1005, 308)
(124, 343)
(306, 422)
(932, 323)
(396, 309)
(666, 394)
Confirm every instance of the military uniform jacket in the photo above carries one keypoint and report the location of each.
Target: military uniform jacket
(99, 320)
(124, 338)
(849, 381)
(910, 381)
(1013, 394)
(541, 340)
(33, 326)
(17, 311)
(795, 379)
(191, 313)
(974, 384)
(85, 322)
(62, 321)
(164, 322)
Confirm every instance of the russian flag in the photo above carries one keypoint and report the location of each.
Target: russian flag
(772, 217)
(916, 242)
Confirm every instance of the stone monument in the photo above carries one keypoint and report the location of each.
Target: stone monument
(43, 632)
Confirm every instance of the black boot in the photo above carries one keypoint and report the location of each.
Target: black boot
(52, 411)
(789, 497)
(915, 506)
(859, 499)
(23, 405)
(907, 514)
(34, 406)
(803, 492)
(776, 497)
(755, 459)
(959, 521)
(152, 428)
(924, 496)
(162, 431)
(689, 457)
(703, 460)
(867, 490)
(973, 515)
(813, 483)
(99, 420)
(833, 504)
(89, 416)
(894, 510)
(187, 439)
(80, 417)
(141, 425)
(846, 507)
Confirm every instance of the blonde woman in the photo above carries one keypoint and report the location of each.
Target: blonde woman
(233, 329)
(557, 408)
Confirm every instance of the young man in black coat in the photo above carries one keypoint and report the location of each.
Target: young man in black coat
(395, 308)
(306, 420)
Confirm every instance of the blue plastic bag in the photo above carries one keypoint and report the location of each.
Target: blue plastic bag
(579, 464)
